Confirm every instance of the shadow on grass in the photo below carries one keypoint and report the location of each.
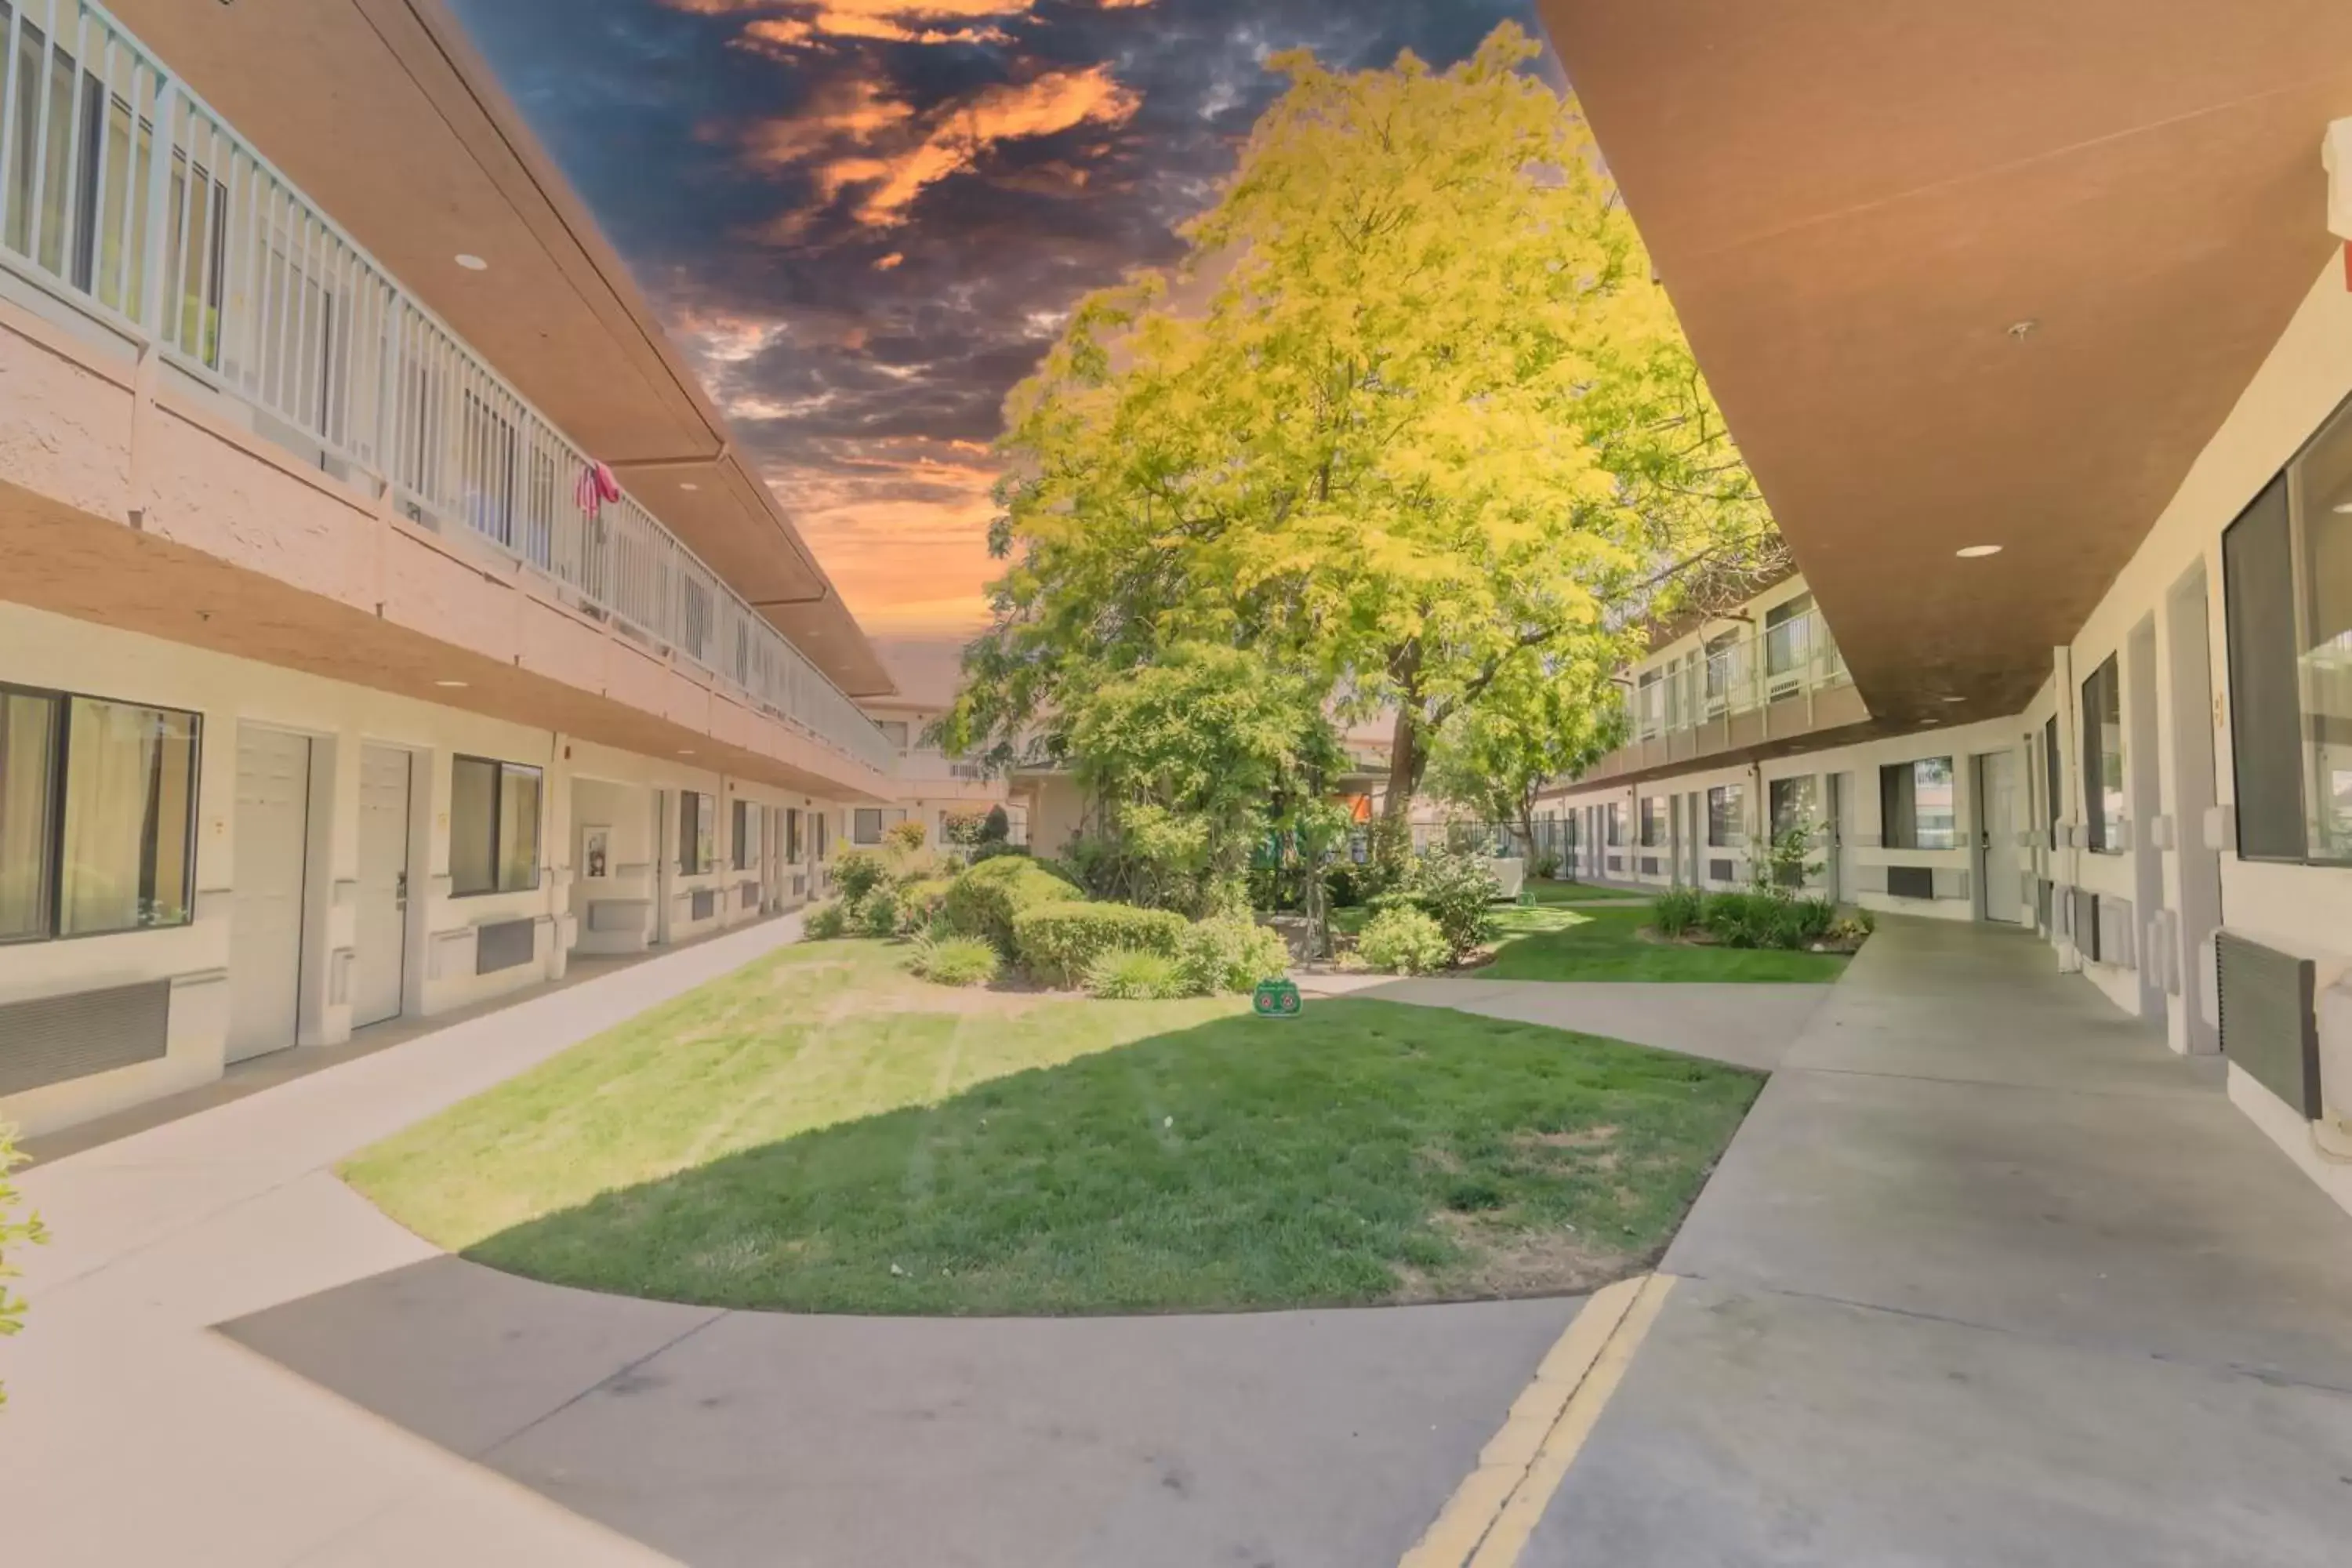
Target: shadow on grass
(1366, 1151)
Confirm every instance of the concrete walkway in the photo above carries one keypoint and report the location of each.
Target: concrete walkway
(1748, 1026)
(1988, 1276)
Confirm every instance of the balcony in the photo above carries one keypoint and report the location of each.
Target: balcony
(1737, 694)
(124, 196)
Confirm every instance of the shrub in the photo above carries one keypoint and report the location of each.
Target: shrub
(1455, 889)
(859, 872)
(907, 834)
(919, 903)
(1547, 866)
(1059, 943)
(1676, 914)
(985, 900)
(1132, 974)
(827, 922)
(1814, 918)
(1404, 941)
(876, 914)
(987, 851)
(1230, 952)
(956, 960)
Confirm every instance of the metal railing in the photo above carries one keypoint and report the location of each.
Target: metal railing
(124, 191)
(1752, 669)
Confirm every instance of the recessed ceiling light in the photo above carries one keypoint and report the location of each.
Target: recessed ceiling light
(449, 683)
(687, 485)
(471, 262)
(1926, 722)
(1977, 551)
(686, 751)
(1956, 699)
(2344, 507)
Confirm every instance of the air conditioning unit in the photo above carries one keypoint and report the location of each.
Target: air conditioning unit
(2270, 994)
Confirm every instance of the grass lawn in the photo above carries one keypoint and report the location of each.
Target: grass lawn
(1549, 892)
(1556, 944)
(822, 1132)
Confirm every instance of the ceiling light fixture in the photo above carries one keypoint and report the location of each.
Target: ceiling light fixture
(1977, 551)
(452, 684)
(1956, 699)
(2344, 507)
(471, 262)
(687, 485)
(2023, 330)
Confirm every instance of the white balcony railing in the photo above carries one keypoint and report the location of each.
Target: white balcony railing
(121, 190)
(1750, 669)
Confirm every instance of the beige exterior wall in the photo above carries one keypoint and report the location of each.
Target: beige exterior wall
(43, 650)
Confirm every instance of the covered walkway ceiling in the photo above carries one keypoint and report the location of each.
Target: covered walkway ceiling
(1853, 204)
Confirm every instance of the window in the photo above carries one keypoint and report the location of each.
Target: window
(1649, 704)
(698, 830)
(1727, 807)
(866, 825)
(1792, 804)
(493, 827)
(2053, 773)
(1916, 804)
(1722, 656)
(2103, 757)
(97, 808)
(1615, 824)
(791, 834)
(893, 731)
(747, 835)
(1788, 638)
(823, 833)
(2322, 480)
(1653, 821)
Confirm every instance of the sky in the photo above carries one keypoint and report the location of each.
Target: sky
(865, 220)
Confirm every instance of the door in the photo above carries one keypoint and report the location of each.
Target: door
(2192, 795)
(1839, 826)
(379, 926)
(265, 944)
(1998, 862)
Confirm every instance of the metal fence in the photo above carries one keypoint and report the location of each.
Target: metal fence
(123, 190)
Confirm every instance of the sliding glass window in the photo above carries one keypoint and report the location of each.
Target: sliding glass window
(97, 808)
(2103, 757)
(2323, 483)
(494, 811)
(1917, 804)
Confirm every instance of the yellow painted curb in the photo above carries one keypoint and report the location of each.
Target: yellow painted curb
(1488, 1521)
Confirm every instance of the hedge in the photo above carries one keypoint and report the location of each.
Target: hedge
(985, 900)
(1059, 943)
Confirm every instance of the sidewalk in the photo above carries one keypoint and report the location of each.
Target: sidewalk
(1988, 1276)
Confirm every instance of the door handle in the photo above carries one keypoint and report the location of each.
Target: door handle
(400, 891)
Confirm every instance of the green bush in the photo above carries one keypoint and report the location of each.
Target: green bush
(907, 836)
(1059, 943)
(1133, 975)
(1457, 889)
(859, 872)
(956, 960)
(1229, 953)
(1756, 919)
(1676, 914)
(1814, 918)
(826, 923)
(985, 900)
(1403, 940)
(919, 903)
(1546, 866)
(876, 914)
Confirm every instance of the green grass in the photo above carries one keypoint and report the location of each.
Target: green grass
(1555, 943)
(1549, 892)
(822, 1132)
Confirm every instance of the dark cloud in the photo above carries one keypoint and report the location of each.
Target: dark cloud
(865, 240)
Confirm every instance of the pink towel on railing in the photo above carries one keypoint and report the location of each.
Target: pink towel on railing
(596, 487)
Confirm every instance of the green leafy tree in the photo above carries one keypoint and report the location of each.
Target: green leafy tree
(1538, 723)
(1188, 762)
(1416, 420)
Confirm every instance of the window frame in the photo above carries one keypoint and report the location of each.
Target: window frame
(695, 813)
(61, 775)
(858, 816)
(1731, 833)
(1642, 820)
(1911, 831)
(499, 767)
(738, 848)
(2104, 684)
(1807, 786)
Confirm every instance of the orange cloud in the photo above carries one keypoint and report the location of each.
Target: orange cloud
(902, 564)
(886, 263)
(955, 138)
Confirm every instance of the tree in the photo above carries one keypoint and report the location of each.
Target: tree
(1418, 423)
(1189, 763)
(1535, 724)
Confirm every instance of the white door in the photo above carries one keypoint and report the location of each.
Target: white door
(264, 949)
(2003, 866)
(380, 930)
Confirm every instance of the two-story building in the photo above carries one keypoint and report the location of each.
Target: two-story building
(2048, 378)
(386, 614)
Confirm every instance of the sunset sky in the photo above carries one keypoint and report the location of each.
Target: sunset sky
(866, 219)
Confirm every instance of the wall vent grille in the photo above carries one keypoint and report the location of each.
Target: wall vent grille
(55, 1039)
